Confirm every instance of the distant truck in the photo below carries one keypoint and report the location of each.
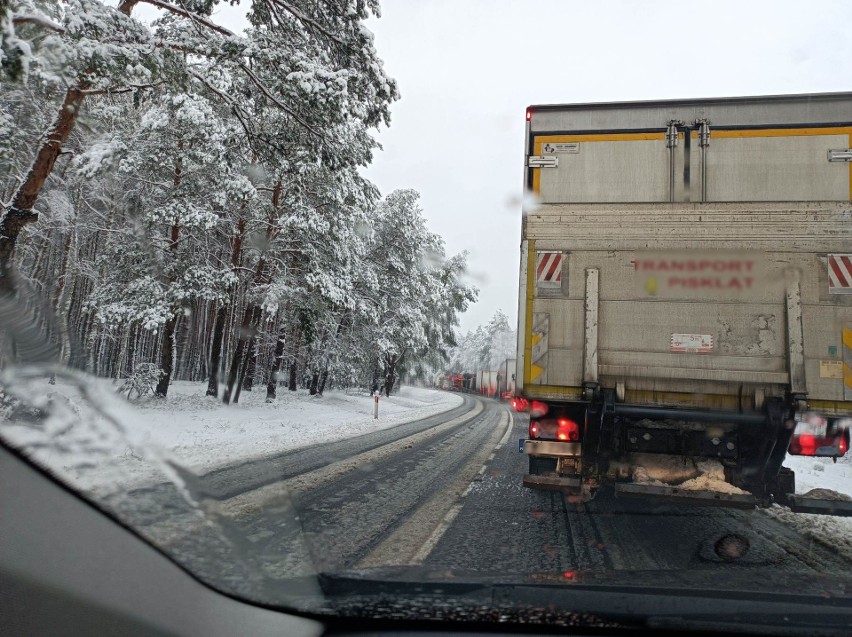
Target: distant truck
(686, 295)
(486, 382)
(506, 378)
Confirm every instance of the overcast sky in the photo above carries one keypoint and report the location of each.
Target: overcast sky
(467, 70)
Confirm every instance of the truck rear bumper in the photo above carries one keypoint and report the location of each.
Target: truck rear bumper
(707, 498)
(552, 482)
(553, 449)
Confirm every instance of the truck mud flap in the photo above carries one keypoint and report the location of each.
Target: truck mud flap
(819, 506)
(706, 498)
(552, 483)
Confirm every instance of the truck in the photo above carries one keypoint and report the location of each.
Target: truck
(506, 378)
(685, 297)
(486, 382)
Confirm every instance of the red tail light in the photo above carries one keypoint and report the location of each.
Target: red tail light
(538, 409)
(533, 430)
(529, 114)
(818, 435)
(828, 446)
(568, 430)
(804, 445)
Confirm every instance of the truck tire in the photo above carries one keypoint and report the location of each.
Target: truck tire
(783, 484)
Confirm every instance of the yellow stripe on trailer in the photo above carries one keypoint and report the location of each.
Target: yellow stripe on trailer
(528, 312)
(847, 363)
(607, 137)
(714, 133)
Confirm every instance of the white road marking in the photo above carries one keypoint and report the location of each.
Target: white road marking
(437, 534)
(286, 489)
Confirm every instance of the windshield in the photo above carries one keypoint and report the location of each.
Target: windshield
(405, 309)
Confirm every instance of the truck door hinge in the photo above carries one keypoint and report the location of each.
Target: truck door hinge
(703, 126)
(671, 132)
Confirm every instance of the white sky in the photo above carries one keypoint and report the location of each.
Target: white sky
(467, 70)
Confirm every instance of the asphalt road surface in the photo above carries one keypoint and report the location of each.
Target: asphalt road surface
(445, 493)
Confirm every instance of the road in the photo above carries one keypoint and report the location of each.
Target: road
(445, 493)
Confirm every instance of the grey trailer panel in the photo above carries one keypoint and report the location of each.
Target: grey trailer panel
(738, 112)
(794, 168)
(609, 171)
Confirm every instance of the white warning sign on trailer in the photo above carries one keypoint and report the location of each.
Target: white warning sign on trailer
(695, 343)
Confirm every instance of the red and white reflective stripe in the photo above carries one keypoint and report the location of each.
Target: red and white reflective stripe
(548, 267)
(840, 273)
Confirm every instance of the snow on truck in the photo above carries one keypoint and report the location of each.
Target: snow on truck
(685, 306)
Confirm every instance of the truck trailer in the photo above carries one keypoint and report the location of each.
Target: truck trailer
(685, 296)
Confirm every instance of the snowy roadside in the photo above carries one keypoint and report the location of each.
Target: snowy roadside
(821, 473)
(200, 434)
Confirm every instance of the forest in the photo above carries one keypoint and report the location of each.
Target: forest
(181, 200)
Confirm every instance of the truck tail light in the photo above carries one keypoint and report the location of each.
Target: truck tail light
(529, 114)
(817, 436)
(534, 430)
(520, 404)
(567, 430)
(538, 409)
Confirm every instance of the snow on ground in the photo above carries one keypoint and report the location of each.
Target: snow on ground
(200, 433)
(816, 475)
(822, 473)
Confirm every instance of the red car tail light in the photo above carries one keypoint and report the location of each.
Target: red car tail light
(816, 435)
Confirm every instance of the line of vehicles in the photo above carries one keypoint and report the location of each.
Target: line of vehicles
(493, 383)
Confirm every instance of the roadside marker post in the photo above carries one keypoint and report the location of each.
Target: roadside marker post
(376, 411)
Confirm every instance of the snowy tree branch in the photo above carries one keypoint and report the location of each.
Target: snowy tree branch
(306, 20)
(124, 89)
(256, 81)
(166, 6)
(41, 21)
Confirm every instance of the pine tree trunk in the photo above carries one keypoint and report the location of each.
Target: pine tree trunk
(323, 380)
(243, 367)
(166, 357)
(244, 340)
(216, 352)
(375, 386)
(250, 367)
(294, 360)
(390, 374)
(314, 383)
(20, 212)
(275, 368)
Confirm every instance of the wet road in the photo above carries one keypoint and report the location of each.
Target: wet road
(445, 493)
